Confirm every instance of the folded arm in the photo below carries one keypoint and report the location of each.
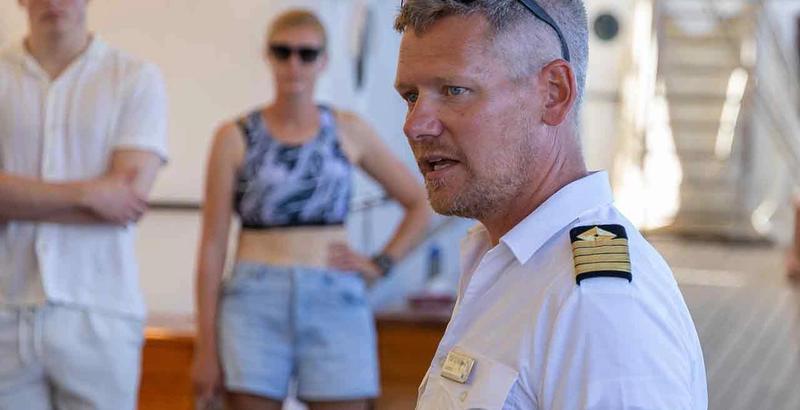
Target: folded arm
(117, 197)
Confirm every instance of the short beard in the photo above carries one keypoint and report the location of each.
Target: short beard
(486, 195)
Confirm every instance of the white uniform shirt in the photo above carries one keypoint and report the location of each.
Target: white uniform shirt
(540, 341)
(66, 130)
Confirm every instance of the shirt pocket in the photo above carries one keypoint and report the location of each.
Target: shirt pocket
(487, 388)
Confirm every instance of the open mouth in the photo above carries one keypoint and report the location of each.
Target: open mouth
(434, 164)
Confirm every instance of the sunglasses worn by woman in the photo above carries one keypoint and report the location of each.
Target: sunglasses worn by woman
(283, 52)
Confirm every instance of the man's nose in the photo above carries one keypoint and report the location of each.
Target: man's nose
(422, 121)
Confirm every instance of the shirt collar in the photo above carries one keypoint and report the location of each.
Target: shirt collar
(557, 212)
(21, 54)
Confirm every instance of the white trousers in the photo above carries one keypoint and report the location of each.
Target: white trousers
(68, 358)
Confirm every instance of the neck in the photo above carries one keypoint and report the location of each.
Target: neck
(54, 52)
(294, 109)
(565, 165)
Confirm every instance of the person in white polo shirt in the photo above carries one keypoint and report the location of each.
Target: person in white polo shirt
(562, 304)
(82, 137)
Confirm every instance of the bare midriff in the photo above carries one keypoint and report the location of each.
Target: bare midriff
(292, 246)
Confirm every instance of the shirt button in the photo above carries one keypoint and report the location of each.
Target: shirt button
(463, 396)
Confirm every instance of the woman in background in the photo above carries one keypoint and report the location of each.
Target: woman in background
(295, 307)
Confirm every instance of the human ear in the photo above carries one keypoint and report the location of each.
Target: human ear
(561, 91)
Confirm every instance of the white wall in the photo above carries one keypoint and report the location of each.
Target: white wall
(210, 53)
(606, 59)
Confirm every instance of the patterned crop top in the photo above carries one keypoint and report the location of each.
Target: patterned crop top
(281, 185)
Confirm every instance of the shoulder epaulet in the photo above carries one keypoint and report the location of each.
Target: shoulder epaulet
(600, 251)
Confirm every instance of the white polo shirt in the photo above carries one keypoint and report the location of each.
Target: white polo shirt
(66, 130)
(540, 341)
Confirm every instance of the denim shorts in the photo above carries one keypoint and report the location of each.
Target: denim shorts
(278, 324)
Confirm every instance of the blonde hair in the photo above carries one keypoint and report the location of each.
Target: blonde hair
(297, 18)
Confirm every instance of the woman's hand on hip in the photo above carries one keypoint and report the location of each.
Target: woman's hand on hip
(342, 257)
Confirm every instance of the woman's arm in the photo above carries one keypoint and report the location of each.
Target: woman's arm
(375, 158)
(226, 155)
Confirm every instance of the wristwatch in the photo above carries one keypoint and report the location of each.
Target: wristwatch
(384, 262)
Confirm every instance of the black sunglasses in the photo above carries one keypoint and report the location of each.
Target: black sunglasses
(542, 15)
(283, 52)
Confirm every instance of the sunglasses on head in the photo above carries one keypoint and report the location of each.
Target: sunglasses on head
(541, 14)
(283, 52)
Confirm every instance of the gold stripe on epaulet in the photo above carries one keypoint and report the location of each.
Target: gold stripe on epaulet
(597, 244)
(604, 257)
(598, 267)
(600, 250)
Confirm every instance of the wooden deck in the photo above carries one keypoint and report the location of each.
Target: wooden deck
(748, 317)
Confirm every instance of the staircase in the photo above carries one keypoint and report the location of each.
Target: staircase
(700, 56)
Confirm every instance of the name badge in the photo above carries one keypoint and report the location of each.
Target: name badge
(457, 367)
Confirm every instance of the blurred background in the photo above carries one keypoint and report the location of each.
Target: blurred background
(691, 105)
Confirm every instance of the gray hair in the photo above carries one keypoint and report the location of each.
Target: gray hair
(526, 43)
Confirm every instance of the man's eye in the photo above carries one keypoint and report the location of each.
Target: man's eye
(453, 91)
(411, 97)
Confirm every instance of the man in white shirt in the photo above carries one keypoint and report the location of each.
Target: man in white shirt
(562, 304)
(82, 136)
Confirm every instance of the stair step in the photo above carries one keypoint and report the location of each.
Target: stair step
(688, 68)
(724, 7)
(692, 148)
(701, 197)
(714, 86)
(695, 148)
(721, 40)
(720, 181)
(690, 113)
(708, 172)
(694, 18)
(697, 96)
(717, 57)
(729, 48)
(696, 152)
(675, 32)
(695, 111)
(704, 126)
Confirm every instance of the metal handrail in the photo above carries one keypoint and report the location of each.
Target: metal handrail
(784, 123)
(788, 65)
(787, 127)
